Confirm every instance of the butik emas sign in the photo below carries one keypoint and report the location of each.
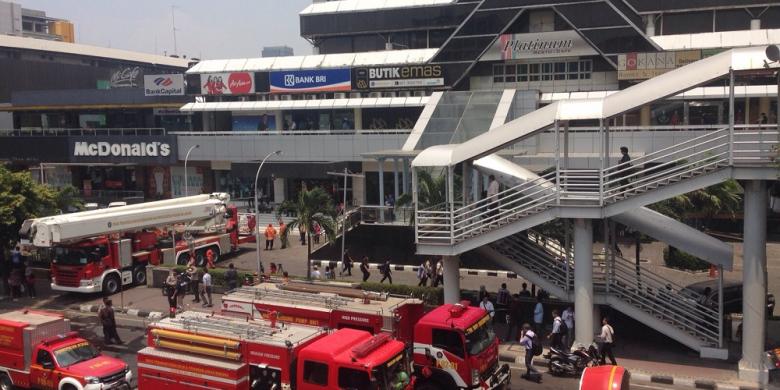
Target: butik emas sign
(566, 43)
(321, 80)
(132, 149)
(164, 85)
(236, 83)
(410, 76)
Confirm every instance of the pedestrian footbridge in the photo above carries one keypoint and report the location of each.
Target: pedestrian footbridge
(500, 227)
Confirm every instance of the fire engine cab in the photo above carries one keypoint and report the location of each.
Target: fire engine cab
(219, 352)
(101, 250)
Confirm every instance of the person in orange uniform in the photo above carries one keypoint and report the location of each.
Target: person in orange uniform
(270, 235)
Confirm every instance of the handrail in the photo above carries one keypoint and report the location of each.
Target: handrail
(65, 132)
(292, 132)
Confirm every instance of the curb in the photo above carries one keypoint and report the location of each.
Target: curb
(413, 268)
(637, 377)
(128, 312)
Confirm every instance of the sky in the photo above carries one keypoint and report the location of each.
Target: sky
(206, 29)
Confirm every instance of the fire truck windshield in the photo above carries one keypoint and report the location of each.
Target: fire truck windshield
(394, 374)
(75, 256)
(479, 336)
(76, 353)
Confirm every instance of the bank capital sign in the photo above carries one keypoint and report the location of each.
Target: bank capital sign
(164, 85)
(124, 149)
(321, 80)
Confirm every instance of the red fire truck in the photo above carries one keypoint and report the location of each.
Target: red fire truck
(454, 346)
(38, 350)
(218, 352)
(101, 250)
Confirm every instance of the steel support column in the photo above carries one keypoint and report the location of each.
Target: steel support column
(396, 182)
(583, 282)
(381, 189)
(751, 367)
(451, 279)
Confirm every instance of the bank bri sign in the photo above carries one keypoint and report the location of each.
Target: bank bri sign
(319, 80)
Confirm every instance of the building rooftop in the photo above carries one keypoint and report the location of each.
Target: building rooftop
(315, 61)
(8, 41)
(368, 5)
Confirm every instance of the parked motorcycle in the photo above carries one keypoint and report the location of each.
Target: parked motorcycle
(565, 363)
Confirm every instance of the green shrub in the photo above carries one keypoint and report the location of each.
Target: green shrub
(676, 258)
(433, 296)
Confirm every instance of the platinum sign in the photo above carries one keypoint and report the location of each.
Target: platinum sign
(108, 149)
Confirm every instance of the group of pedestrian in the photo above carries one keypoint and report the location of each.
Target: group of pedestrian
(199, 282)
(17, 274)
(427, 271)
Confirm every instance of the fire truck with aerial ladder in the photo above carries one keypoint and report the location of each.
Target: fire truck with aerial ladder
(202, 350)
(38, 350)
(102, 250)
(454, 346)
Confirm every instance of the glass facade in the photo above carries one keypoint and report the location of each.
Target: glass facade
(544, 71)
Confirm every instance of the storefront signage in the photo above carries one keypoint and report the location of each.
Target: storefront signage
(236, 83)
(127, 77)
(322, 80)
(164, 85)
(399, 77)
(124, 149)
(639, 66)
(539, 45)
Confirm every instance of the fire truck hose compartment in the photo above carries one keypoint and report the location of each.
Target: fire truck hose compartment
(220, 353)
(211, 341)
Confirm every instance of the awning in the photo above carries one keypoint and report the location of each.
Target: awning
(316, 104)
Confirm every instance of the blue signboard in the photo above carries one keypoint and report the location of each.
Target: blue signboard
(321, 80)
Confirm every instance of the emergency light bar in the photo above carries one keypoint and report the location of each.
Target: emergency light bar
(370, 345)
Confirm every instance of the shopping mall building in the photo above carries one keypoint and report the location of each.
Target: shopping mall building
(388, 79)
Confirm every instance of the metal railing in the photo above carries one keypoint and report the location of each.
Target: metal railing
(658, 296)
(65, 132)
(266, 133)
(447, 224)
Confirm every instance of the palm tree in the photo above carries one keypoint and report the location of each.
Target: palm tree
(725, 197)
(312, 207)
(431, 191)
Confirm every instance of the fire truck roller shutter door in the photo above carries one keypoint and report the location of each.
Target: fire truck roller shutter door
(212, 341)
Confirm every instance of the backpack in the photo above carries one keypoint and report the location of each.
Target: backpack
(420, 272)
(536, 346)
(563, 328)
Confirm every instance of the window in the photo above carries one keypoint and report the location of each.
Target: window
(315, 373)
(574, 70)
(44, 358)
(449, 341)
(510, 73)
(498, 73)
(353, 379)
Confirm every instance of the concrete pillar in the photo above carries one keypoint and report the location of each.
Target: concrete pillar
(358, 119)
(644, 115)
(650, 25)
(755, 24)
(381, 189)
(466, 177)
(405, 176)
(451, 279)
(358, 191)
(280, 189)
(395, 179)
(279, 118)
(476, 191)
(596, 319)
(583, 282)
(754, 287)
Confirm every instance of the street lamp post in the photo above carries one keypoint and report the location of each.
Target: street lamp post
(260, 269)
(346, 174)
(193, 147)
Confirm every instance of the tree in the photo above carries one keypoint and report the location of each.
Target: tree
(23, 198)
(725, 197)
(431, 191)
(313, 206)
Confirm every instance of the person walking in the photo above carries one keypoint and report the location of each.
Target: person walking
(270, 235)
(282, 238)
(538, 315)
(528, 340)
(182, 283)
(231, 277)
(422, 274)
(556, 336)
(317, 231)
(347, 265)
(171, 289)
(439, 274)
(503, 296)
(624, 169)
(492, 195)
(607, 342)
(205, 291)
(107, 319)
(515, 316)
(29, 279)
(364, 268)
(568, 319)
(15, 283)
(387, 272)
(487, 306)
(302, 233)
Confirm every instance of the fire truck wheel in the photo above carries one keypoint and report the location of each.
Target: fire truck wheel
(111, 284)
(429, 385)
(139, 275)
(68, 387)
(5, 382)
(200, 257)
(183, 259)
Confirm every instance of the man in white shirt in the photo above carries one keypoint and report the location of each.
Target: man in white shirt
(492, 194)
(206, 288)
(568, 318)
(607, 338)
(527, 341)
(556, 336)
(487, 306)
(315, 273)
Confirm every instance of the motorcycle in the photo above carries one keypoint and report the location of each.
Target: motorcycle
(572, 363)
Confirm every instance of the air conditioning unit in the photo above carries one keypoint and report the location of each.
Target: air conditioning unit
(404, 93)
(340, 95)
(286, 97)
(375, 94)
